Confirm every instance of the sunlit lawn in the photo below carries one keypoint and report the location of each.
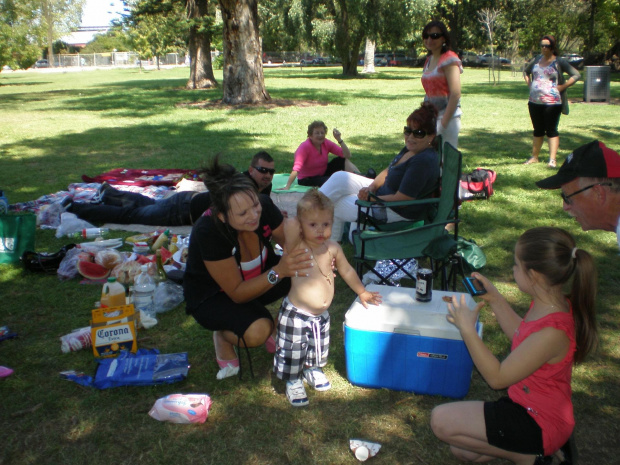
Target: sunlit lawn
(57, 126)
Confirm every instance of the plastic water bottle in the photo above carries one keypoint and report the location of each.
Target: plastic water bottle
(4, 204)
(144, 292)
(90, 233)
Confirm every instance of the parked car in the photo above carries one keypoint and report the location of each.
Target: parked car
(332, 60)
(574, 59)
(486, 59)
(41, 64)
(310, 60)
(399, 59)
(381, 59)
(470, 58)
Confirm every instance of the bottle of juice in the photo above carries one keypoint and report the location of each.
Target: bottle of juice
(113, 294)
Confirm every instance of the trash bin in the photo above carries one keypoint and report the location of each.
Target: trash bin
(596, 86)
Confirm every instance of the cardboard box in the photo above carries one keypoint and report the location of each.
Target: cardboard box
(114, 329)
(406, 345)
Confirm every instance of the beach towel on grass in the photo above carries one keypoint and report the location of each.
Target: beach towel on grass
(138, 177)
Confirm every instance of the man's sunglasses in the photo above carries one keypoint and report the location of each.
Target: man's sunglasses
(545, 45)
(566, 198)
(263, 170)
(432, 35)
(417, 133)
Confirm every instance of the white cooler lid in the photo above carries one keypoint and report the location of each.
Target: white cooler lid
(401, 313)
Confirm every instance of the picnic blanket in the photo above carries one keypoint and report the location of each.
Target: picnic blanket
(146, 184)
(279, 181)
(84, 192)
(139, 177)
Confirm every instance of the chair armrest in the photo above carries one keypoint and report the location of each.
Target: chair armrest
(396, 203)
(369, 235)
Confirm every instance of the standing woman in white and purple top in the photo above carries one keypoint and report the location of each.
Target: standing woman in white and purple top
(441, 80)
(312, 166)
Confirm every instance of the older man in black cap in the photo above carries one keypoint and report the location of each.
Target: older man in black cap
(590, 184)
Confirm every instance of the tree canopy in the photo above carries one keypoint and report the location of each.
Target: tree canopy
(337, 28)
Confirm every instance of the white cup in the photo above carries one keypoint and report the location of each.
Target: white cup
(361, 453)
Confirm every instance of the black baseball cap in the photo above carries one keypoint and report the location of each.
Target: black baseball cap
(593, 160)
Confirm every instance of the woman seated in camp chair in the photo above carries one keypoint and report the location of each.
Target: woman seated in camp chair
(412, 174)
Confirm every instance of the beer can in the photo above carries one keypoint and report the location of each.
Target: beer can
(424, 285)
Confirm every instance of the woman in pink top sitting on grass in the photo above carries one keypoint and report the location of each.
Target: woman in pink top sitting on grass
(311, 166)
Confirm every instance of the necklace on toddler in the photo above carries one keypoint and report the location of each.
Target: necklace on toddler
(331, 260)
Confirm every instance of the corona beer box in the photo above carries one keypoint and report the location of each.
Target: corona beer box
(114, 329)
(406, 345)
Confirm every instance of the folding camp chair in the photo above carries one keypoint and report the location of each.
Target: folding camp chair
(401, 242)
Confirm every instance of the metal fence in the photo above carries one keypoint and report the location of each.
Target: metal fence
(117, 59)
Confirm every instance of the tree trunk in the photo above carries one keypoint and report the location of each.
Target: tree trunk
(244, 81)
(591, 39)
(348, 41)
(201, 68)
(49, 22)
(369, 56)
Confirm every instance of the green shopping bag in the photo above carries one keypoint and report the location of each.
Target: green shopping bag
(473, 256)
(442, 246)
(17, 233)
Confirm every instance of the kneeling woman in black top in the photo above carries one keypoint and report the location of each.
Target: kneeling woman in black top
(232, 271)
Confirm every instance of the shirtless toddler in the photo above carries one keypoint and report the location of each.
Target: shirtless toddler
(303, 323)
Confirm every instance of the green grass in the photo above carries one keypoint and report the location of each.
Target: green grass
(58, 126)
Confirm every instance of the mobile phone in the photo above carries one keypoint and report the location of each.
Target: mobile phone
(474, 286)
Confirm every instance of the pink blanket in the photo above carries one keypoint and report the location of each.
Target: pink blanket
(137, 177)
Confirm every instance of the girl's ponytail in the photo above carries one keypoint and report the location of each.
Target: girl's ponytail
(583, 298)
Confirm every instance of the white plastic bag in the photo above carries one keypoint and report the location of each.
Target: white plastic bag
(49, 216)
(70, 224)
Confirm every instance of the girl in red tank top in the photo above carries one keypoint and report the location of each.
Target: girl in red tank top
(536, 419)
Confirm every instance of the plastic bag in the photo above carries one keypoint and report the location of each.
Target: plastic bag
(182, 408)
(70, 224)
(68, 266)
(167, 296)
(147, 321)
(49, 216)
(108, 258)
(144, 368)
(76, 340)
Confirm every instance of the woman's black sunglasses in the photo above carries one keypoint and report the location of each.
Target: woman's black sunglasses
(432, 35)
(417, 133)
(545, 45)
(263, 170)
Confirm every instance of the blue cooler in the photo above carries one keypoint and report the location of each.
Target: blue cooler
(406, 345)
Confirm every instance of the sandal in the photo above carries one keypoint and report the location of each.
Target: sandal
(531, 160)
(227, 368)
(551, 163)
